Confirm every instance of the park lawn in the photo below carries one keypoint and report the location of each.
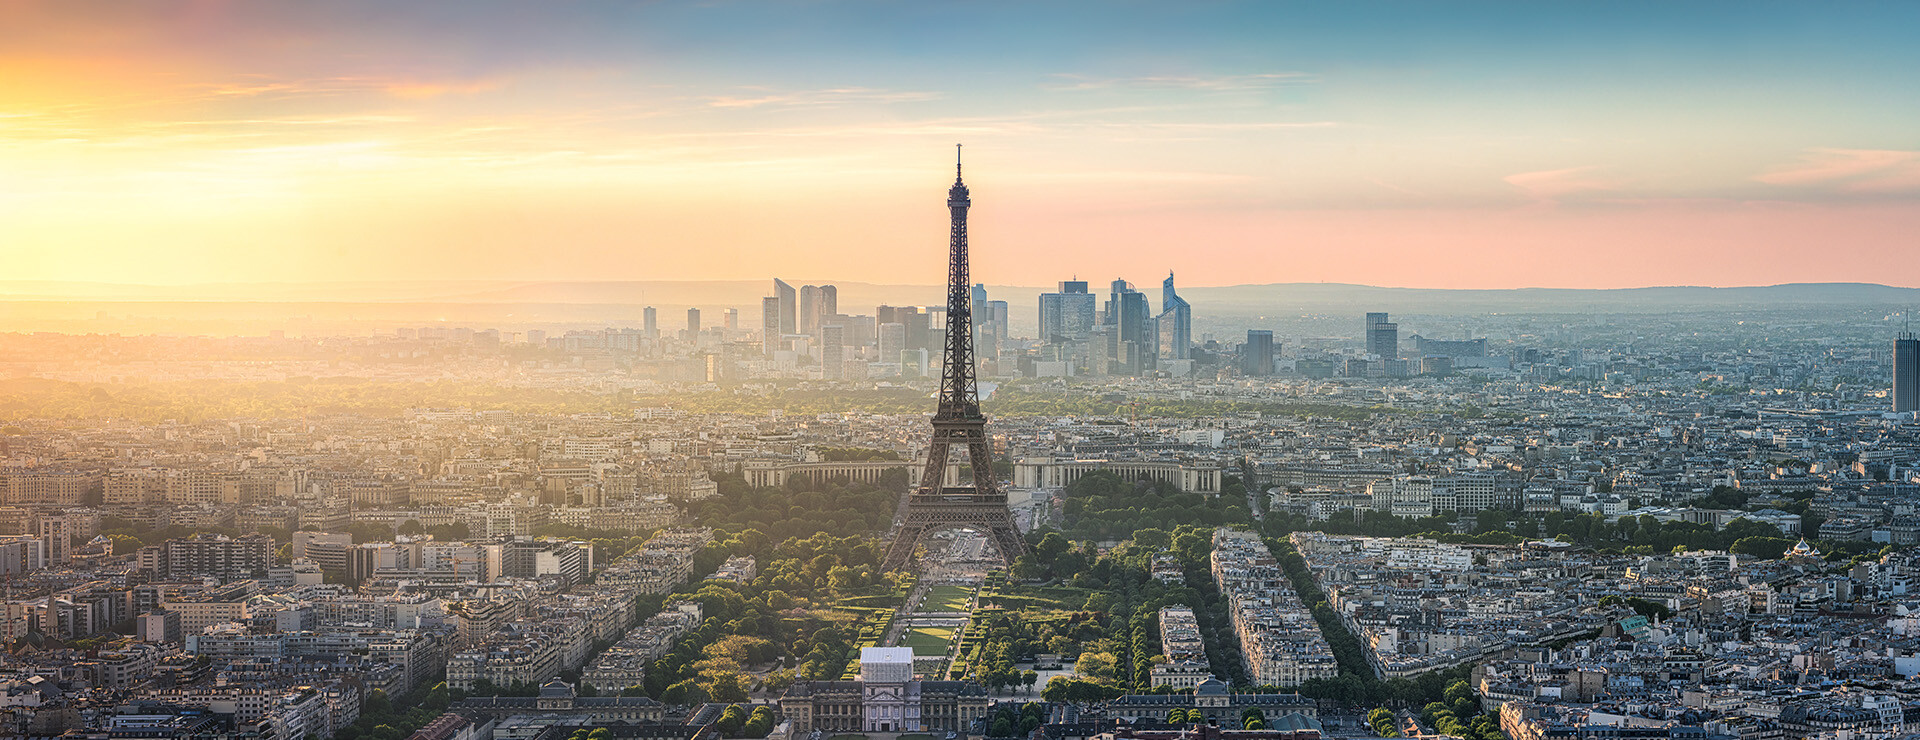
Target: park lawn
(928, 641)
(946, 599)
(1065, 597)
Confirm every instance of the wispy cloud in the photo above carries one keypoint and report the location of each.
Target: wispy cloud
(1203, 83)
(821, 98)
(1551, 186)
(1850, 170)
(412, 90)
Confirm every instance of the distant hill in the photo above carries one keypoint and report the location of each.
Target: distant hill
(1633, 300)
(344, 306)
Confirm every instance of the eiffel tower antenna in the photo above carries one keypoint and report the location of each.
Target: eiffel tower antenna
(957, 422)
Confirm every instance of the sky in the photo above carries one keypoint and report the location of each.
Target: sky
(1418, 144)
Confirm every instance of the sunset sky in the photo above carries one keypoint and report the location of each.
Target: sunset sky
(1404, 144)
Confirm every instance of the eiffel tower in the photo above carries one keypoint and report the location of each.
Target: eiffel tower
(934, 506)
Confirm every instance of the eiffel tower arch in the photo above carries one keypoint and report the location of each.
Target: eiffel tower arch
(957, 422)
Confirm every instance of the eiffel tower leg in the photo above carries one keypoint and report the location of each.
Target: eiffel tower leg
(1007, 538)
(936, 471)
(900, 552)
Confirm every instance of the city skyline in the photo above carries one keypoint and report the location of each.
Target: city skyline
(1470, 146)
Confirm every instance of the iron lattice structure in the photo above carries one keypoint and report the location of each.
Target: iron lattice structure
(934, 506)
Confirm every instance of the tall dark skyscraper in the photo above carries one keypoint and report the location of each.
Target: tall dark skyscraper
(693, 323)
(989, 322)
(789, 312)
(1176, 323)
(651, 322)
(809, 310)
(1256, 356)
(833, 351)
(770, 337)
(1906, 373)
(957, 423)
(1068, 314)
(1383, 337)
(1134, 339)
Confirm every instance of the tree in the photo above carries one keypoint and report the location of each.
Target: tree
(1650, 609)
(684, 692)
(377, 703)
(1029, 678)
(732, 720)
(412, 527)
(125, 544)
(1050, 548)
(726, 687)
(759, 723)
(1097, 666)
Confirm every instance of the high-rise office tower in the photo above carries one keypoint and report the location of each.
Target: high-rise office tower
(770, 337)
(833, 352)
(1133, 342)
(1053, 317)
(1383, 337)
(732, 318)
(650, 320)
(892, 340)
(919, 326)
(1068, 314)
(1110, 313)
(693, 322)
(988, 329)
(789, 314)
(1256, 356)
(809, 309)
(1176, 323)
(1906, 373)
(829, 300)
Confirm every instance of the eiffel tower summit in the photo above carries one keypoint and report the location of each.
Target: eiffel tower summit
(934, 506)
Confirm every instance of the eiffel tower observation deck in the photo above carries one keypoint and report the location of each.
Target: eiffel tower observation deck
(957, 422)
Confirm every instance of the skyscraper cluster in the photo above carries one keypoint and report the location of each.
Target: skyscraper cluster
(1121, 337)
(805, 327)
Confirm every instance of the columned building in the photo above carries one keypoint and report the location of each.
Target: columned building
(1193, 476)
(769, 474)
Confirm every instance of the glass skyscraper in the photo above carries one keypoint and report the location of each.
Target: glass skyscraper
(1176, 323)
(1906, 373)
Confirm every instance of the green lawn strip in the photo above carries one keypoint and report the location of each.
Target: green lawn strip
(928, 641)
(946, 599)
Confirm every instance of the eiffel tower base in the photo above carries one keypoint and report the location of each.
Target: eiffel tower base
(960, 508)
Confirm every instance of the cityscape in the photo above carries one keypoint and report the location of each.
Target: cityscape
(841, 493)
